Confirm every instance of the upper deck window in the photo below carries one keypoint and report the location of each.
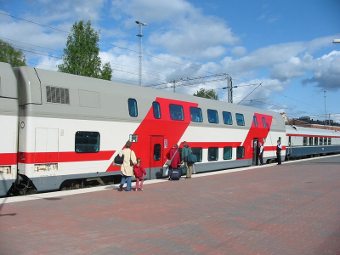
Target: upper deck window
(196, 114)
(156, 110)
(264, 122)
(212, 116)
(133, 108)
(176, 112)
(239, 119)
(227, 118)
(256, 124)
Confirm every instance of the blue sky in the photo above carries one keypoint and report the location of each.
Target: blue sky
(286, 46)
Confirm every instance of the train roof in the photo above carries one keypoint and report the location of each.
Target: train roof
(297, 130)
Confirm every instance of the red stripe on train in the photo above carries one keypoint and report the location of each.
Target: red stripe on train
(8, 158)
(46, 157)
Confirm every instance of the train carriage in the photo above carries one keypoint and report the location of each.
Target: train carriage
(304, 141)
(69, 128)
(8, 127)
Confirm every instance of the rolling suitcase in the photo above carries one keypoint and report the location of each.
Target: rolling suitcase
(175, 174)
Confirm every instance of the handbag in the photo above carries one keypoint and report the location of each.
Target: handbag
(119, 159)
(192, 158)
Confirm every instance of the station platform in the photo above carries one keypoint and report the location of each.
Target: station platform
(288, 209)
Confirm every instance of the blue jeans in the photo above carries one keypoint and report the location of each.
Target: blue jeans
(128, 180)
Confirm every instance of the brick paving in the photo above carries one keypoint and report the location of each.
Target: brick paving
(292, 209)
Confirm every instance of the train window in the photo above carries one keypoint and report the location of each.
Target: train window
(304, 141)
(212, 154)
(212, 116)
(198, 153)
(320, 141)
(240, 152)
(264, 122)
(227, 118)
(239, 119)
(196, 114)
(310, 141)
(133, 108)
(329, 141)
(227, 152)
(176, 112)
(156, 110)
(87, 142)
(256, 124)
(316, 141)
(157, 152)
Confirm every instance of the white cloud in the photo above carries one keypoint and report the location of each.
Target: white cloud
(326, 71)
(183, 30)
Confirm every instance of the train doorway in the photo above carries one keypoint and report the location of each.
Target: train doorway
(157, 151)
(255, 151)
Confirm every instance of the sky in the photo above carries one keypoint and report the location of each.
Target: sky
(279, 54)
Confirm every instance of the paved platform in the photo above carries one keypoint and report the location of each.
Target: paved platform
(292, 209)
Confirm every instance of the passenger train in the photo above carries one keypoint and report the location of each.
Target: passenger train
(60, 130)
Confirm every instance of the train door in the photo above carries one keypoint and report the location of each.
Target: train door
(156, 151)
(47, 151)
(255, 151)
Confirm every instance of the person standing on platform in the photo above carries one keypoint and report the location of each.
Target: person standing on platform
(175, 159)
(261, 148)
(140, 173)
(186, 151)
(127, 167)
(278, 152)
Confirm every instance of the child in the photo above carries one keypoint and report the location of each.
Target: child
(139, 173)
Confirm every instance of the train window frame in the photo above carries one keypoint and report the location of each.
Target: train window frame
(133, 107)
(212, 116)
(329, 141)
(256, 123)
(240, 152)
(304, 141)
(240, 119)
(320, 141)
(196, 114)
(157, 152)
(86, 146)
(213, 154)
(198, 152)
(316, 141)
(310, 141)
(156, 108)
(227, 153)
(176, 112)
(227, 118)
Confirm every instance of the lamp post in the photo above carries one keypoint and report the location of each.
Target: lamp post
(140, 35)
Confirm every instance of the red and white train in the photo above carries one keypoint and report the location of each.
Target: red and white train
(59, 130)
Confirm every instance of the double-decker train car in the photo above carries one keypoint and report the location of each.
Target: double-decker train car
(308, 142)
(61, 129)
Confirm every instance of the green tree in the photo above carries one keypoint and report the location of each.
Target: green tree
(106, 73)
(207, 93)
(10, 55)
(81, 55)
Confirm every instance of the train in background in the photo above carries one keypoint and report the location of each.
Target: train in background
(60, 130)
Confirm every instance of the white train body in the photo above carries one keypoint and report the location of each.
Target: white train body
(57, 128)
(304, 141)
